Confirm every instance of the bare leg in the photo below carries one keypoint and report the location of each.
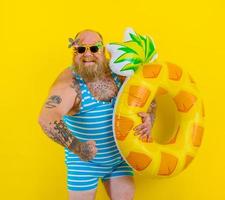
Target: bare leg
(120, 188)
(82, 195)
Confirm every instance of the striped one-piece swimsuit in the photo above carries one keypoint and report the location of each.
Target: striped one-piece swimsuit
(94, 122)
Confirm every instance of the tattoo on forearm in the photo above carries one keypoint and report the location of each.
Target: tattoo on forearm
(53, 101)
(61, 134)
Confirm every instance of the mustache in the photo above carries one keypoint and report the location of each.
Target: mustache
(92, 72)
(88, 59)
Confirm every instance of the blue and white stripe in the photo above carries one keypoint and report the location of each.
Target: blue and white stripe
(94, 122)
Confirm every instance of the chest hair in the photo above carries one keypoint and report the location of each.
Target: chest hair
(104, 89)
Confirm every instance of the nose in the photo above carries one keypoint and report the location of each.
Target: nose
(87, 52)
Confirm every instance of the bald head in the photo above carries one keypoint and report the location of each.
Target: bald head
(90, 64)
(88, 36)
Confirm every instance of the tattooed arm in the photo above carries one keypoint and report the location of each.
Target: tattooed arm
(63, 96)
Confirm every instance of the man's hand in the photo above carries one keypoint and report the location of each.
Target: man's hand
(144, 129)
(86, 150)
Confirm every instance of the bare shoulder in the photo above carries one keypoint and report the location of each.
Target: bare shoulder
(65, 79)
(64, 94)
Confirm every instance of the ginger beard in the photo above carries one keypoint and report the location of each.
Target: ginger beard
(90, 68)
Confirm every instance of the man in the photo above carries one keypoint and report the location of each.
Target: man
(78, 116)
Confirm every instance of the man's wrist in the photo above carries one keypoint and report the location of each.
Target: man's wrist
(152, 111)
(75, 146)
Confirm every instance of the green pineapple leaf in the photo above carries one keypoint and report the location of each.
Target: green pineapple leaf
(135, 51)
(129, 67)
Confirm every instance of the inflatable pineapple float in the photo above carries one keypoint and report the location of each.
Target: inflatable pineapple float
(178, 128)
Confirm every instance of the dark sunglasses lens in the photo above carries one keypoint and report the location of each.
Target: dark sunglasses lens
(94, 49)
(81, 49)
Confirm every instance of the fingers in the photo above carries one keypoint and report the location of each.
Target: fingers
(144, 134)
(88, 150)
(91, 142)
(145, 117)
(145, 138)
(143, 114)
(139, 127)
(143, 128)
(146, 125)
(142, 131)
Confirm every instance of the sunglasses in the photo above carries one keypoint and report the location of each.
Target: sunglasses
(83, 49)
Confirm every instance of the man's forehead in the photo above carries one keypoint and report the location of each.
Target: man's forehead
(88, 37)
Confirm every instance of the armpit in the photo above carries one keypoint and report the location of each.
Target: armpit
(121, 78)
(77, 101)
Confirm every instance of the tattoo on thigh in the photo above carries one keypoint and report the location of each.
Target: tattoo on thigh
(53, 101)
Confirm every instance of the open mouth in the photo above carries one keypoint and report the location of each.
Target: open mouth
(89, 61)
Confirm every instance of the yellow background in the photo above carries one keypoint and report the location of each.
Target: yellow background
(34, 51)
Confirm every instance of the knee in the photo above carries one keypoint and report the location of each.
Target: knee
(125, 193)
(82, 195)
